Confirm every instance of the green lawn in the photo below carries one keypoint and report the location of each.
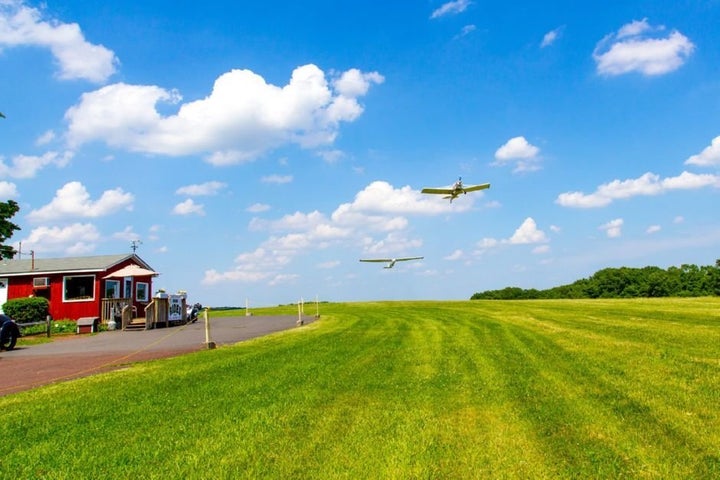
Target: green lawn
(525, 389)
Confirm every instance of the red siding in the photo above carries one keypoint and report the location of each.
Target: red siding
(19, 287)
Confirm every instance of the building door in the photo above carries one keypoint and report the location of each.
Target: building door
(3, 292)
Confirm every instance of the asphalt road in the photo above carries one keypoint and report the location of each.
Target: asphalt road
(81, 355)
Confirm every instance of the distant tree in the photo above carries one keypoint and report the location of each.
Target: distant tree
(715, 278)
(7, 228)
(625, 282)
(657, 283)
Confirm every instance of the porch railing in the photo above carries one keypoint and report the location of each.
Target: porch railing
(112, 309)
(157, 312)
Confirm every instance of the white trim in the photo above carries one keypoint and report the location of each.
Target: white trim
(90, 298)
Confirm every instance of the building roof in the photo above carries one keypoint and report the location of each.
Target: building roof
(99, 263)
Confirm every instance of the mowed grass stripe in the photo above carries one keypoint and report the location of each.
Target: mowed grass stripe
(630, 386)
(537, 389)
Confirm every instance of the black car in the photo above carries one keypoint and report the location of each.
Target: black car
(9, 332)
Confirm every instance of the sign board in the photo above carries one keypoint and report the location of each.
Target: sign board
(175, 309)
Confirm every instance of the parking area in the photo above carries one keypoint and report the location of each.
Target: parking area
(81, 355)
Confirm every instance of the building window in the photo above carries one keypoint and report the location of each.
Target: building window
(112, 289)
(127, 289)
(79, 288)
(142, 292)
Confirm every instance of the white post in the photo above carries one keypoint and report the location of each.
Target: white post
(317, 307)
(300, 320)
(209, 343)
(247, 308)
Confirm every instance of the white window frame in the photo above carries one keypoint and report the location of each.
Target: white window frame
(90, 298)
(116, 288)
(146, 288)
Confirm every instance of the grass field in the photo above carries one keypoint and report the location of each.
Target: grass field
(525, 389)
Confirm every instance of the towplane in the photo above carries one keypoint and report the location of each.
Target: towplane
(456, 189)
(390, 261)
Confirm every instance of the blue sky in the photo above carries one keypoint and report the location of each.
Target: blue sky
(258, 150)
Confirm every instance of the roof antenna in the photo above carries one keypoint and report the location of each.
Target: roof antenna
(135, 244)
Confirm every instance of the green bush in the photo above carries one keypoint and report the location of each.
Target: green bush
(25, 310)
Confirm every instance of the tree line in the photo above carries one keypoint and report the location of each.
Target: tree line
(625, 282)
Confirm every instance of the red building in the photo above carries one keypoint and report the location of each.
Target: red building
(78, 287)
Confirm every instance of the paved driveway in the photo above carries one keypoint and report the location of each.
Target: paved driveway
(82, 355)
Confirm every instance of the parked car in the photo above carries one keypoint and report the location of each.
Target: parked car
(9, 332)
(192, 312)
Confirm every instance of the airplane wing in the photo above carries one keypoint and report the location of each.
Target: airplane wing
(379, 260)
(439, 191)
(472, 188)
(408, 258)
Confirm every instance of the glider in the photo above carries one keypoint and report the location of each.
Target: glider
(390, 261)
(456, 189)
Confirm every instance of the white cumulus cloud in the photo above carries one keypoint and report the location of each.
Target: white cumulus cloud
(242, 117)
(73, 200)
(77, 58)
(75, 239)
(382, 197)
(395, 243)
(258, 208)
(640, 47)
(456, 255)
(451, 8)
(201, 189)
(519, 151)
(188, 207)
(613, 228)
(8, 191)
(709, 157)
(526, 234)
(647, 184)
(550, 37)
(27, 166)
(379, 209)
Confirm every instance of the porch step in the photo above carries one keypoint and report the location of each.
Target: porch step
(136, 324)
